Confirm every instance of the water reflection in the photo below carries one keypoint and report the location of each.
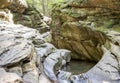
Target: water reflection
(77, 67)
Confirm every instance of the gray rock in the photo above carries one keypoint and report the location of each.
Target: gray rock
(114, 37)
(47, 36)
(31, 77)
(54, 62)
(16, 69)
(44, 50)
(44, 79)
(64, 77)
(6, 77)
(30, 70)
(14, 51)
(106, 70)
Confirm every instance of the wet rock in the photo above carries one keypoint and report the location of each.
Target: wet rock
(64, 77)
(54, 62)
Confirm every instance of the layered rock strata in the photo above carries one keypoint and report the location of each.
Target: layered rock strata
(74, 23)
(26, 57)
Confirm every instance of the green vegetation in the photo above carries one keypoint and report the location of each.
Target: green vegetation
(43, 6)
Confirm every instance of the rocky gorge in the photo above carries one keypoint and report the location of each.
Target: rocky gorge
(26, 56)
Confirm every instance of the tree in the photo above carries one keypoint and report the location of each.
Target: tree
(43, 7)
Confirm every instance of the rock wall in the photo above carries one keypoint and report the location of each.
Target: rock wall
(31, 17)
(74, 24)
(25, 56)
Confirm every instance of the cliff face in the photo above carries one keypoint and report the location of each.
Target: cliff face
(74, 24)
(32, 17)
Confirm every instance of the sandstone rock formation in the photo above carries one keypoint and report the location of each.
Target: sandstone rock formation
(23, 51)
(14, 5)
(79, 39)
(73, 28)
(72, 21)
(26, 57)
(31, 17)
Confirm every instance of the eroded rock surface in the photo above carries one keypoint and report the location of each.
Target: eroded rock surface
(26, 57)
(6, 77)
(72, 21)
(80, 39)
(31, 17)
(14, 5)
(74, 24)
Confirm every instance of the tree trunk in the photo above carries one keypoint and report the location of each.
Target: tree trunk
(43, 7)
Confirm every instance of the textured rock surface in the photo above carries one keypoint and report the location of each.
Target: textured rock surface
(73, 28)
(5, 15)
(105, 71)
(32, 18)
(23, 52)
(26, 58)
(54, 62)
(5, 3)
(80, 39)
(6, 77)
(18, 5)
(72, 21)
(14, 5)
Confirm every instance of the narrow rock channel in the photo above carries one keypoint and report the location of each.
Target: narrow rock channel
(78, 53)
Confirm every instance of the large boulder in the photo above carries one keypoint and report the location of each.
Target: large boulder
(73, 21)
(14, 5)
(18, 6)
(24, 52)
(73, 28)
(17, 52)
(105, 71)
(5, 3)
(79, 39)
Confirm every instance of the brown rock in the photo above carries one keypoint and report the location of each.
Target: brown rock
(79, 39)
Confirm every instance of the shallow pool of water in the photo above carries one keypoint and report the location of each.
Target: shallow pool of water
(77, 67)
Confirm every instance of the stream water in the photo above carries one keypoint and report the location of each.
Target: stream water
(77, 67)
